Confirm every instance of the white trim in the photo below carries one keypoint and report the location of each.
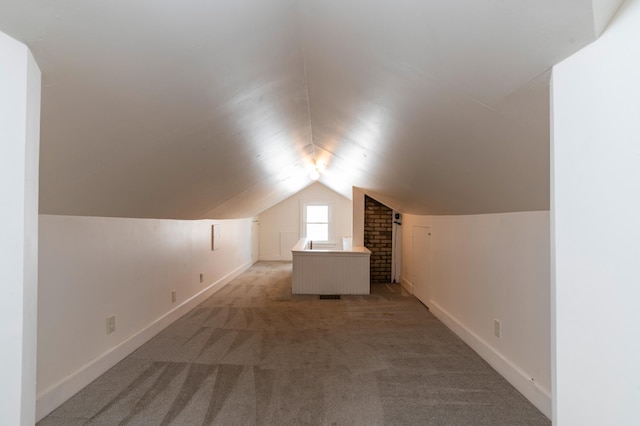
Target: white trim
(51, 398)
(536, 394)
(406, 284)
(303, 219)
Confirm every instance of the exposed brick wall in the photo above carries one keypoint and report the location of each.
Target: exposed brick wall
(378, 220)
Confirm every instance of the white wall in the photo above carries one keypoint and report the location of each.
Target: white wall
(19, 153)
(280, 225)
(486, 267)
(94, 267)
(596, 213)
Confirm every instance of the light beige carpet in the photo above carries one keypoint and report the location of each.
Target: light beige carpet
(253, 354)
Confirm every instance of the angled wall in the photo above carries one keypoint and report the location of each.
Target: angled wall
(596, 221)
(19, 151)
(92, 268)
(488, 267)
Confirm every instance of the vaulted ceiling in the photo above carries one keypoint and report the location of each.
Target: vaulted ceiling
(218, 108)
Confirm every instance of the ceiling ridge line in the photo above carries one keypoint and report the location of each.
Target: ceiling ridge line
(306, 81)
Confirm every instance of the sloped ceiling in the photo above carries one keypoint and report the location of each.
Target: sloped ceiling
(215, 109)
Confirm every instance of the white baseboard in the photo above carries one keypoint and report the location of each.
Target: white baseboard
(406, 284)
(539, 396)
(274, 258)
(52, 397)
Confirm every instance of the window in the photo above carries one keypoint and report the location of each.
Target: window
(316, 222)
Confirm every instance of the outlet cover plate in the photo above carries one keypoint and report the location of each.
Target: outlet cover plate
(111, 324)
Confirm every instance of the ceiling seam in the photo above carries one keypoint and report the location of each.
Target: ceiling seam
(306, 80)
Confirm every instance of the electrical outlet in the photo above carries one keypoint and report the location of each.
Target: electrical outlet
(201, 278)
(173, 296)
(496, 328)
(111, 324)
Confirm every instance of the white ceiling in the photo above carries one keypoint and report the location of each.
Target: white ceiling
(211, 108)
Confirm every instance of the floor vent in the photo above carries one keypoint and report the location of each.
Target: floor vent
(330, 296)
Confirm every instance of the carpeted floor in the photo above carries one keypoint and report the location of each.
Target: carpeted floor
(252, 354)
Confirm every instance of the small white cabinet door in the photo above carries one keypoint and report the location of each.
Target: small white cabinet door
(421, 263)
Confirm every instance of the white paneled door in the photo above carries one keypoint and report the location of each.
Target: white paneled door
(422, 263)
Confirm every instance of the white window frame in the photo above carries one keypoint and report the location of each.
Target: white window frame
(303, 221)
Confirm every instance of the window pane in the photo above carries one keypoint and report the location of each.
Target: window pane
(318, 214)
(318, 232)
